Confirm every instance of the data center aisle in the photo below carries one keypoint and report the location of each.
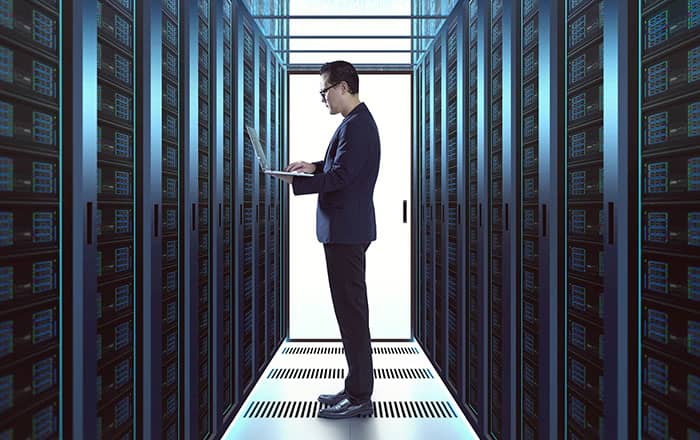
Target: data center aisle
(410, 399)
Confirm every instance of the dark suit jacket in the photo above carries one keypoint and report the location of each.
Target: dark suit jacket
(345, 181)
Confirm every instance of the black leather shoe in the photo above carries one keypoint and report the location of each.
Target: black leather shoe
(332, 399)
(345, 409)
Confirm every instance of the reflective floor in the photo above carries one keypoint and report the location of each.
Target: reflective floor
(410, 399)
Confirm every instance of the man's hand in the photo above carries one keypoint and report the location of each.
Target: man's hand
(301, 166)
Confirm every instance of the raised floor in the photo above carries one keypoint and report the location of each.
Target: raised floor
(410, 399)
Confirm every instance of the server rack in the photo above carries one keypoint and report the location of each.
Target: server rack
(30, 218)
(428, 317)
(494, 240)
(116, 178)
(273, 215)
(257, 256)
(529, 251)
(204, 260)
(454, 239)
(261, 207)
(670, 218)
(470, 399)
(171, 267)
(438, 148)
(584, 210)
(229, 391)
(244, 174)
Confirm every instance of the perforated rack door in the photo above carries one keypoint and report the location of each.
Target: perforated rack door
(229, 397)
(494, 246)
(246, 168)
(116, 116)
(30, 118)
(206, 221)
(473, 330)
(261, 206)
(670, 218)
(529, 184)
(584, 245)
(171, 217)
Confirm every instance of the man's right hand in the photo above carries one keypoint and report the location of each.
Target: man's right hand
(301, 166)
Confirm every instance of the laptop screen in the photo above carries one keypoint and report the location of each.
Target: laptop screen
(259, 152)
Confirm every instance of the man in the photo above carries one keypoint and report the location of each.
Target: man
(345, 225)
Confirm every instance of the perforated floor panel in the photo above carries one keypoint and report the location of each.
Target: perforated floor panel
(410, 400)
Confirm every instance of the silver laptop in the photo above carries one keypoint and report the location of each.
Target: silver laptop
(262, 158)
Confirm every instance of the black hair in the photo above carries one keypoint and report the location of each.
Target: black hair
(342, 71)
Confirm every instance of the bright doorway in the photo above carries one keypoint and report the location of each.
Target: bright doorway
(388, 97)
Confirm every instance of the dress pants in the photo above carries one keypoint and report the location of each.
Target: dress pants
(346, 275)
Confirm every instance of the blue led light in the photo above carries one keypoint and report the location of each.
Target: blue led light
(577, 31)
(43, 376)
(657, 79)
(578, 335)
(578, 297)
(657, 326)
(6, 64)
(657, 29)
(657, 276)
(43, 29)
(43, 326)
(43, 79)
(657, 423)
(578, 373)
(44, 423)
(7, 231)
(122, 297)
(657, 375)
(43, 277)
(656, 228)
(43, 128)
(657, 177)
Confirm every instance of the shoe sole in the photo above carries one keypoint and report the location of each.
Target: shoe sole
(346, 416)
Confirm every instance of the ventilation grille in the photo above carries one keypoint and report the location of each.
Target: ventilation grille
(384, 410)
(339, 373)
(341, 350)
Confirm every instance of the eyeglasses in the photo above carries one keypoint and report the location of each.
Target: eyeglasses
(323, 92)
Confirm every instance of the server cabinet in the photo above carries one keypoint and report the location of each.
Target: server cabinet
(257, 197)
(272, 246)
(171, 224)
(530, 262)
(428, 318)
(494, 240)
(473, 327)
(437, 189)
(261, 223)
(115, 215)
(230, 400)
(454, 185)
(204, 219)
(244, 175)
(670, 218)
(584, 217)
(31, 221)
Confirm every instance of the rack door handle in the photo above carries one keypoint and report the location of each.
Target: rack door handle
(89, 223)
(156, 220)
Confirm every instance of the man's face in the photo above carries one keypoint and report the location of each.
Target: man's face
(331, 95)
